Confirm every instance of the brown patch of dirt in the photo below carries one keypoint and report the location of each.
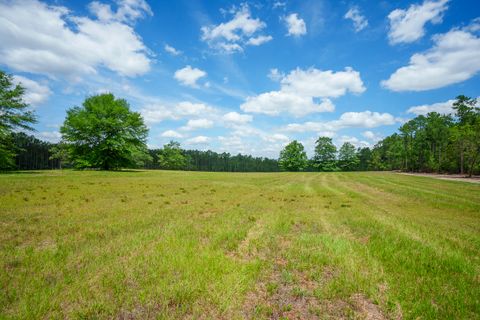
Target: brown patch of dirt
(290, 295)
(366, 308)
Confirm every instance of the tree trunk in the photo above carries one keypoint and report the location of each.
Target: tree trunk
(461, 162)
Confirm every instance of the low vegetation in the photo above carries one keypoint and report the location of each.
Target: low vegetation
(173, 244)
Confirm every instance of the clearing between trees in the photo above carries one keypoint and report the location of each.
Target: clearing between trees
(172, 244)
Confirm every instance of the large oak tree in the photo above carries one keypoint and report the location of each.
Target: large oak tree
(103, 133)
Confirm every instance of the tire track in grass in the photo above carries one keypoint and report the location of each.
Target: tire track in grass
(427, 191)
(411, 223)
(449, 266)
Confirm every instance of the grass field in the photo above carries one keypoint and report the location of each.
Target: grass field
(157, 244)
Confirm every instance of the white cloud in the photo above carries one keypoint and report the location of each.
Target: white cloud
(408, 25)
(275, 75)
(353, 140)
(301, 88)
(197, 140)
(189, 76)
(35, 93)
(171, 134)
(155, 113)
(259, 40)
(455, 57)
(237, 118)
(128, 10)
(295, 25)
(50, 136)
(359, 21)
(372, 136)
(231, 36)
(364, 119)
(50, 40)
(276, 102)
(440, 107)
(195, 124)
(276, 137)
(174, 52)
(318, 83)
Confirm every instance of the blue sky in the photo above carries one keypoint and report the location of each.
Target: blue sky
(246, 76)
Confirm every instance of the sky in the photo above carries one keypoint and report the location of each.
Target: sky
(245, 77)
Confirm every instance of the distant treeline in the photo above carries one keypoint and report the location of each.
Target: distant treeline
(196, 160)
(35, 154)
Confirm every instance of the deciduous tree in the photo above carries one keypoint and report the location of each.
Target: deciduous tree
(325, 155)
(103, 133)
(14, 114)
(293, 157)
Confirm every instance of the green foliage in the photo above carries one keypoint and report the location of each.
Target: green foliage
(325, 155)
(171, 157)
(293, 157)
(105, 134)
(14, 114)
(347, 157)
(435, 142)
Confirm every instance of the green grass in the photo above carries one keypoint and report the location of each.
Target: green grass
(157, 244)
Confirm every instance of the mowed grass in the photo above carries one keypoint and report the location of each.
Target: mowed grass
(159, 244)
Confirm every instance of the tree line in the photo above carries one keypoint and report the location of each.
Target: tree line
(427, 143)
(104, 133)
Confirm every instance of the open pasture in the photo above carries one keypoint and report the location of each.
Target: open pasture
(160, 244)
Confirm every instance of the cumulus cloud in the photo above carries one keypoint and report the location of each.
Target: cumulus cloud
(295, 25)
(198, 140)
(233, 35)
(35, 93)
(275, 102)
(50, 40)
(171, 50)
(189, 76)
(171, 134)
(440, 107)
(237, 118)
(318, 83)
(353, 140)
(128, 10)
(409, 25)
(364, 119)
(195, 124)
(372, 136)
(359, 21)
(301, 89)
(155, 113)
(259, 40)
(455, 57)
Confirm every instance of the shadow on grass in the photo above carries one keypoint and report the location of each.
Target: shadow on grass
(36, 171)
(22, 172)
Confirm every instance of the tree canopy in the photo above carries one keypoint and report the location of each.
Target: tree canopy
(103, 133)
(14, 114)
(347, 157)
(325, 155)
(171, 157)
(293, 157)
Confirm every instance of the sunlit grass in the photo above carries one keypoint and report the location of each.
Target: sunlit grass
(157, 244)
